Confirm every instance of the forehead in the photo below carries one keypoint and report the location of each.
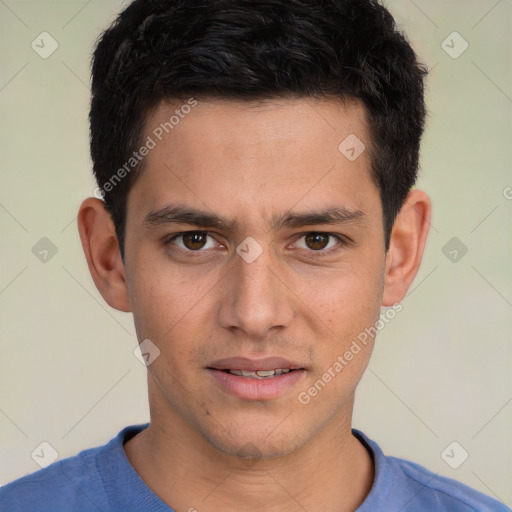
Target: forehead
(259, 158)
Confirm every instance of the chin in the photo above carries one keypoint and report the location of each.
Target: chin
(253, 440)
(255, 449)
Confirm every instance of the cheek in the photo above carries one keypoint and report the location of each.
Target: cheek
(347, 309)
(344, 307)
(348, 299)
(170, 306)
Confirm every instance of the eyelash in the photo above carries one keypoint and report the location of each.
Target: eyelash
(342, 242)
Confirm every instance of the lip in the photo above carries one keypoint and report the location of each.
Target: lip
(251, 365)
(248, 388)
(256, 389)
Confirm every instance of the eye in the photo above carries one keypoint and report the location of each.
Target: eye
(193, 240)
(318, 241)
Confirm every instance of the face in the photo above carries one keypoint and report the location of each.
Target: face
(254, 244)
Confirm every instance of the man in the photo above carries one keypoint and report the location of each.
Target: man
(255, 162)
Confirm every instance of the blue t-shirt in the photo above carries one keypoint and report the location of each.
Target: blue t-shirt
(102, 480)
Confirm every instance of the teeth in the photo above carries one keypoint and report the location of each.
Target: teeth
(265, 373)
(260, 374)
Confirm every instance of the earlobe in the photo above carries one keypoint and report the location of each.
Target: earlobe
(101, 248)
(406, 247)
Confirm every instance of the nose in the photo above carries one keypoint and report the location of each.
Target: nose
(256, 299)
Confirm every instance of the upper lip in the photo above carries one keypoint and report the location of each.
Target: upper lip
(252, 365)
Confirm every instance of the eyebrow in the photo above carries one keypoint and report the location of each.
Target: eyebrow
(183, 214)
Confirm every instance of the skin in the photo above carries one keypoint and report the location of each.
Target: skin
(250, 162)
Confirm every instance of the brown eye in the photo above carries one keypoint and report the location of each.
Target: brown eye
(194, 240)
(317, 241)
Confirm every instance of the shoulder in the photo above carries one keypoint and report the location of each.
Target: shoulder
(74, 483)
(69, 484)
(440, 493)
(404, 485)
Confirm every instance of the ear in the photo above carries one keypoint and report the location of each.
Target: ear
(101, 248)
(406, 246)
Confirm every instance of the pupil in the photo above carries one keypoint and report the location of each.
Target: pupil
(316, 241)
(194, 241)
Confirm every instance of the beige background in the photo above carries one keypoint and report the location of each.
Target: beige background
(441, 371)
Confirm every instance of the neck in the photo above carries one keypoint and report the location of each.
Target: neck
(331, 472)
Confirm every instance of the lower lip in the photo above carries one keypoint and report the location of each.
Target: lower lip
(256, 389)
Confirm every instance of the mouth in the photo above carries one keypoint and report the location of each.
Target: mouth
(262, 379)
(259, 374)
(256, 368)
